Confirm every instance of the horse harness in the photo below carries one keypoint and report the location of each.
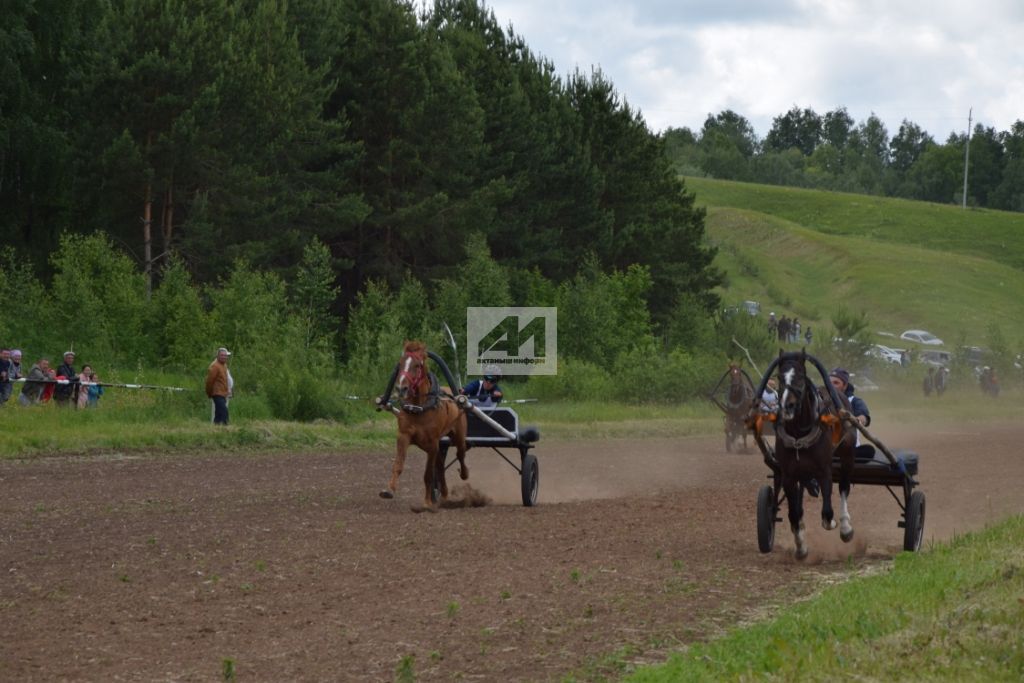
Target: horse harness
(432, 402)
(810, 438)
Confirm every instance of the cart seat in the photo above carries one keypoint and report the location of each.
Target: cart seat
(878, 469)
(479, 433)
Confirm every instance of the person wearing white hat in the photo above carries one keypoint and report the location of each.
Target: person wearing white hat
(218, 385)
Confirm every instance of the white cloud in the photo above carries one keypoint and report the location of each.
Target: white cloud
(900, 59)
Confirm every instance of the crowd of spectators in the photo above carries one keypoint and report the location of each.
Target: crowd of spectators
(64, 385)
(789, 330)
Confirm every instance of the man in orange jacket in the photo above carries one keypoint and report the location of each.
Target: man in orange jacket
(218, 386)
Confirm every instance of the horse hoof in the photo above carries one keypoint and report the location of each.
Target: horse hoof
(846, 537)
(387, 493)
(464, 473)
(801, 553)
(829, 524)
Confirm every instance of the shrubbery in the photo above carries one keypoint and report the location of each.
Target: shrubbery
(290, 360)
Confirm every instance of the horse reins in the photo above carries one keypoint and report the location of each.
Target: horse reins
(413, 384)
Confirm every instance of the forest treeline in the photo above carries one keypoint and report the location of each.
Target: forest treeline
(832, 152)
(215, 130)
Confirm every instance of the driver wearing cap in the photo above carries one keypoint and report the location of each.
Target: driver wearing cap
(840, 379)
(485, 390)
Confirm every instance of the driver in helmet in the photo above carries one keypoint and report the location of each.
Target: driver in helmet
(485, 391)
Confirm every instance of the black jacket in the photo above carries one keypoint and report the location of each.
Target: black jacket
(64, 391)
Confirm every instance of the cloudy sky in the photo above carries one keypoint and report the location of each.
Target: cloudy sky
(928, 61)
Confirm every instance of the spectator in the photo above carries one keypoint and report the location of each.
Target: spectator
(808, 336)
(219, 386)
(784, 329)
(64, 393)
(796, 331)
(34, 387)
(84, 378)
(95, 390)
(50, 386)
(15, 372)
(5, 375)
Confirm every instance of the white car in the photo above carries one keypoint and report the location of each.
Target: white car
(884, 353)
(921, 337)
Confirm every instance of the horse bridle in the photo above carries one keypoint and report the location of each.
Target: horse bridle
(797, 443)
(411, 382)
(798, 391)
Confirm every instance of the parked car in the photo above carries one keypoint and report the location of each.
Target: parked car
(751, 307)
(884, 354)
(921, 337)
(975, 356)
(937, 358)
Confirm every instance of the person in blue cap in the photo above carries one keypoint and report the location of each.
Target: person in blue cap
(840, 379)
(485, 391)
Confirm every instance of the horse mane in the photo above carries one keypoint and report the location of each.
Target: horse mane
(415, 347)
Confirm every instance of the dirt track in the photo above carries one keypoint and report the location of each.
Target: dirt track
(162, 567)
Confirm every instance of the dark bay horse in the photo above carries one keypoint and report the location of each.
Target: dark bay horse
(808, 433)
(735, 403)
(427, 414)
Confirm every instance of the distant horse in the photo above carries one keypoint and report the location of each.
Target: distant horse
(426, 416)
(808, 432)
(989, 382)
(940, 381)
(737, 398)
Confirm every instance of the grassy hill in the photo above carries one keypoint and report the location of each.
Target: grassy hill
(906, 264)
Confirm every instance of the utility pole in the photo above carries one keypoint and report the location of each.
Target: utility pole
(967, 154)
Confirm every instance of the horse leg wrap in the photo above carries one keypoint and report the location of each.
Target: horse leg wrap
(845, 527)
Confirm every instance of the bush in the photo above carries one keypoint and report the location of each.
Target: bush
(99, 300)
(576, 380)
(645, 376)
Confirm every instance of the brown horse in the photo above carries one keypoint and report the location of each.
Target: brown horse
(741, 391)
(426, 416)
(808, 433)
(734, 400)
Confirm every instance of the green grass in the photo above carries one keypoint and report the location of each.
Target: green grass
(906, 264)
(955, 612)
(984, 233)
(134, 421)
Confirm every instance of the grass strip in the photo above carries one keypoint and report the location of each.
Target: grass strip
(170, 422)
(955, 613)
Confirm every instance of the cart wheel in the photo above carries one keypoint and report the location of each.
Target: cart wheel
(530, 479)
(766, 519)
(913, 529)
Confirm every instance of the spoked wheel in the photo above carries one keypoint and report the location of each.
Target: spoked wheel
(766, 519)
(913, 526)
(530, 477)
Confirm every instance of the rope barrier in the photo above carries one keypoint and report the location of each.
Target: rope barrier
(94, 384)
